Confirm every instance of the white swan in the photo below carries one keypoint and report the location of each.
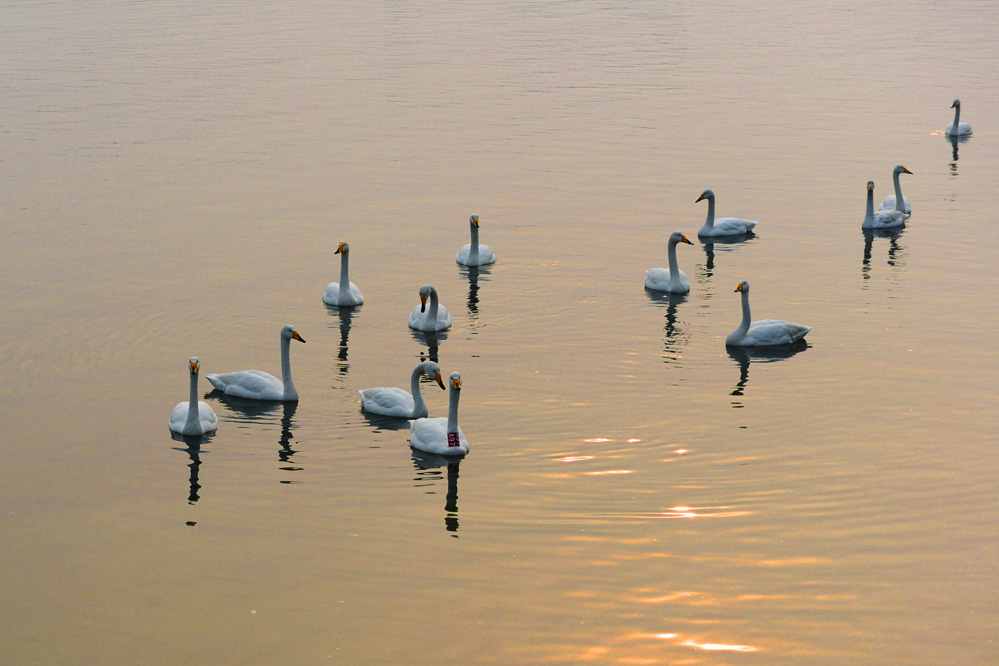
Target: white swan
(473, 254)
(392, 401)
(344, 293)
(891, 201)
(765, 332)
(670, 279)
(258, 385)
(723, 226)
(193, 417)
(885, 219)
(957, 128)
(434, 318)
(441, 435)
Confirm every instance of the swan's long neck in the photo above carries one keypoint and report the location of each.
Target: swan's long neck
(674, 269)
(899, 201)
(710, 221)
(473, 251)
(432, 310)
(289, 386)
(740, 332)
(344, 280)
(452, 410)
(869, 216)
(419, 407)
(193, 413)
(957, 118)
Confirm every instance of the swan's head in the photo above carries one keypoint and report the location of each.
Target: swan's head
(342, 248)
(677, 237)
(425, 292)
(193, 365)
(291, 333)
(743, 287)
(956, 103)
(455, 380)
(474, 220)
(870, 186)
(706, 194)
(433, 370)
(901, 169)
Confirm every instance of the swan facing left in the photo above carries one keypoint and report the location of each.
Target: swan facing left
(957, 128)
(343, 293)
(193, 417)
(434, 317)
(441, 435)
(671, 279)
(258, 385)
(473, 254)
(883, 219)
(764, 332)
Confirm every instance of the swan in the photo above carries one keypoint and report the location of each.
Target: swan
(765, 332)
(474, 254)
(441, 435)
(394, 401)
(885, 219)
(257, 385)
(434, 318)
(890, 202)
(193, 417)
(670, 279)
(345, 293)
(723, 226)
(957, 128)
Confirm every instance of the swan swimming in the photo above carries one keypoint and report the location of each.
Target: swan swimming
(670, 279)
(193, 417)
(957, 128)
(885, 219)
(434, 318)
(723, 226)
(392, 401)
(891, 201)
(765, 332)
(473, 254)
(257, 385)
(344, 293)
(441, 435)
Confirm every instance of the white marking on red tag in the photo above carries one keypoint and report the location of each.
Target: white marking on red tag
(452, 439)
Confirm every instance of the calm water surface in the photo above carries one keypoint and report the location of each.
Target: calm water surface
(175, 178)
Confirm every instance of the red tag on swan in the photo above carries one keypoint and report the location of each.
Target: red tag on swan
(452, 439)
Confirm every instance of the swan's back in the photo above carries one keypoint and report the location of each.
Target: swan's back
(889, 203)
(418, 320)
(728, 226)
(332, 295)
(660, 279)
(766, 332)
(389, 401)
(885, 219)
(430, 435)
(254, 384)
(486, 255)
(207, 420)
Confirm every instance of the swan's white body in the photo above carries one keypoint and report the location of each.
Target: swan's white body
(765, 332)
(723, 226)
(433, 318)
(670, 279)
(957, 128)
(392, 401)
(441, 435)
(193, 417)
(891, 201)
(258, 385)
(473, 254)
(343, 293)
(883, 219)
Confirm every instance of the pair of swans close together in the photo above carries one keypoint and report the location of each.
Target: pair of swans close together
(895, 209)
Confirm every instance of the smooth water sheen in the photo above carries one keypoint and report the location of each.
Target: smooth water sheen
(176, 176)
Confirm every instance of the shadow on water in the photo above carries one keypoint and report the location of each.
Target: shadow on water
(896, 251)
(431, 341)
(430, 468)
(473, 274)
(744, 356)
(266, 412)
(954, 141)
(380, 422)
(345, 317)
(193, 451)
(676, 337)
(706, 270)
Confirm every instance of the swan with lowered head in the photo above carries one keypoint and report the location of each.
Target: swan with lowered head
(344, 293)
(891, 201)
(957, 128)
(670, 279)
(765, 332)
(433, 318)
(392, 401)
(193, 417)
(257, 385)
(885, 219)
(441, 435)
(723, 226)
(473, 254)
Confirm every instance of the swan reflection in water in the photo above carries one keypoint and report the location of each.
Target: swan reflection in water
(345, 316)
(896, 252)
(243, 411)
(954, 140)
(430, 469)
(473, 274)
(193, 451)
(431, 340)
(676, 336)
(744, 356)
(726, 244)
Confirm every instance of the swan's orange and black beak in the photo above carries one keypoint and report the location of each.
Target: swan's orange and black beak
(904, 170)
(296, 336)
(475, 220)
(700, 198)
(953, 105)
(870, 186)
(339, 249)
(685, 239)
(423, 303)
(440, 382)
(194, 367)
(739, 287)
(456, 382)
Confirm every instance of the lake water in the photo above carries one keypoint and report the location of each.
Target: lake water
(174, 179)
